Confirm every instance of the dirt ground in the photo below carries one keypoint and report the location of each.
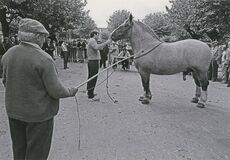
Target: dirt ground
(169, 128)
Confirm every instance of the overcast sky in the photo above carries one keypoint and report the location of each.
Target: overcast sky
(101, 10)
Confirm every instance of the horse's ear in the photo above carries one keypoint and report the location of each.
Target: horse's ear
(130, 18)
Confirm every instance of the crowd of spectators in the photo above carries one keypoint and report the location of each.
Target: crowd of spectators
(219, 68)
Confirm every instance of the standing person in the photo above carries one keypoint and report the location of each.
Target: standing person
(32, 93)
(74, 50)
(49, 48)
(80, 51)
(224, 64)
(65, 54)
(114, 51)
(215, 61)
(94, 57)
(84, 49)
(228, 65)
(104, 53)
(2, 51)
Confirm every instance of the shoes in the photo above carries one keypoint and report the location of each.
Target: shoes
(200, 105)
(195, 100)
(94, 99)
(66, 68)
(228, 85)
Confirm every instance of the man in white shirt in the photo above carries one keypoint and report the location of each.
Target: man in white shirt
(65, 54)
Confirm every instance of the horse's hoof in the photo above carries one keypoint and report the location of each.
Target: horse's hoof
(195, 100)
(141, 98)
(145, 101)
(200, 105)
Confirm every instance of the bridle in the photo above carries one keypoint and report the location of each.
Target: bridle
(143, 53)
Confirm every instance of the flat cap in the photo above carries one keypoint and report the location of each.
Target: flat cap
(32, 26)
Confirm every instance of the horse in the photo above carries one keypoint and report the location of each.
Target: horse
(153, 56)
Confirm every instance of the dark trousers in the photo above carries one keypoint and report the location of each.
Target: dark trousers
(213, 71)
(103, 63)
(125, 64)
(0, 67)
(31, 141)
(51, 53)
(93, 67)
(65, 56)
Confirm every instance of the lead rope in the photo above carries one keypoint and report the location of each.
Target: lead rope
(79, 124)
(78, 113)
(107, 88)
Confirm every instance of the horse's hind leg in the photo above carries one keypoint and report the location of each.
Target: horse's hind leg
(145, 77)
(198, 90)
(203, 78)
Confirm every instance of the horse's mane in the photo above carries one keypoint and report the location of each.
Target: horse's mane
(148, 29)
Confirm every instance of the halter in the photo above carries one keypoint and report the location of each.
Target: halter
(143, 53)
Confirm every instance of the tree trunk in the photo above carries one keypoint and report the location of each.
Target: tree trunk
(5, 24)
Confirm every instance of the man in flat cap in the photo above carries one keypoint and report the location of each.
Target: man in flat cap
(32, 92)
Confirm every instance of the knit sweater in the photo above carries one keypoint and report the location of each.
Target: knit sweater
(32, 85)
(93, 50)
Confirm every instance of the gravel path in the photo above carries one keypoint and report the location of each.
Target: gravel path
(169, 128)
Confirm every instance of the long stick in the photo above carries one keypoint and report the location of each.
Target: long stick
(83, 83)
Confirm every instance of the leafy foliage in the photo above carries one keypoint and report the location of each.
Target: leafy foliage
(203, 17)
(214, 18)
(117, 19)
(159, 22)
(56, 15)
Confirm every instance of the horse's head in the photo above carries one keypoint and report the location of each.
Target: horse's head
(123, 31)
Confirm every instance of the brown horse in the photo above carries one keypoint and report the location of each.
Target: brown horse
(152, 56)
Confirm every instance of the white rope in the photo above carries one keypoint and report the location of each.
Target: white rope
(83, 83)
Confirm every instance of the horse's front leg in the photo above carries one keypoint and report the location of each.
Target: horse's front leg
(145, 78)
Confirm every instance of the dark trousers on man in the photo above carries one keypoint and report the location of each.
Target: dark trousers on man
(93, 67)
(125, 64)
(65, 57)
(103, 63)
(31, 140)
(213, 71)
(1, 67)
(51, 53)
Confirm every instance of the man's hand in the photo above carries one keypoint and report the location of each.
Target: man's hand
(72, 91)
(109, 39)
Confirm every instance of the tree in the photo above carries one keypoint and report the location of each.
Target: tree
(201, 17)
(88, 26)
(159, 22)
(183, 14)
(214, 18)
(117, 18)
(55, 15)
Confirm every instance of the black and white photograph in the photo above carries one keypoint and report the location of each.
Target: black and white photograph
(114, 80)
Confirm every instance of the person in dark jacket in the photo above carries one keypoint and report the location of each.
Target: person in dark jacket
(49, 48)
(32, 92)
(104, 53)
